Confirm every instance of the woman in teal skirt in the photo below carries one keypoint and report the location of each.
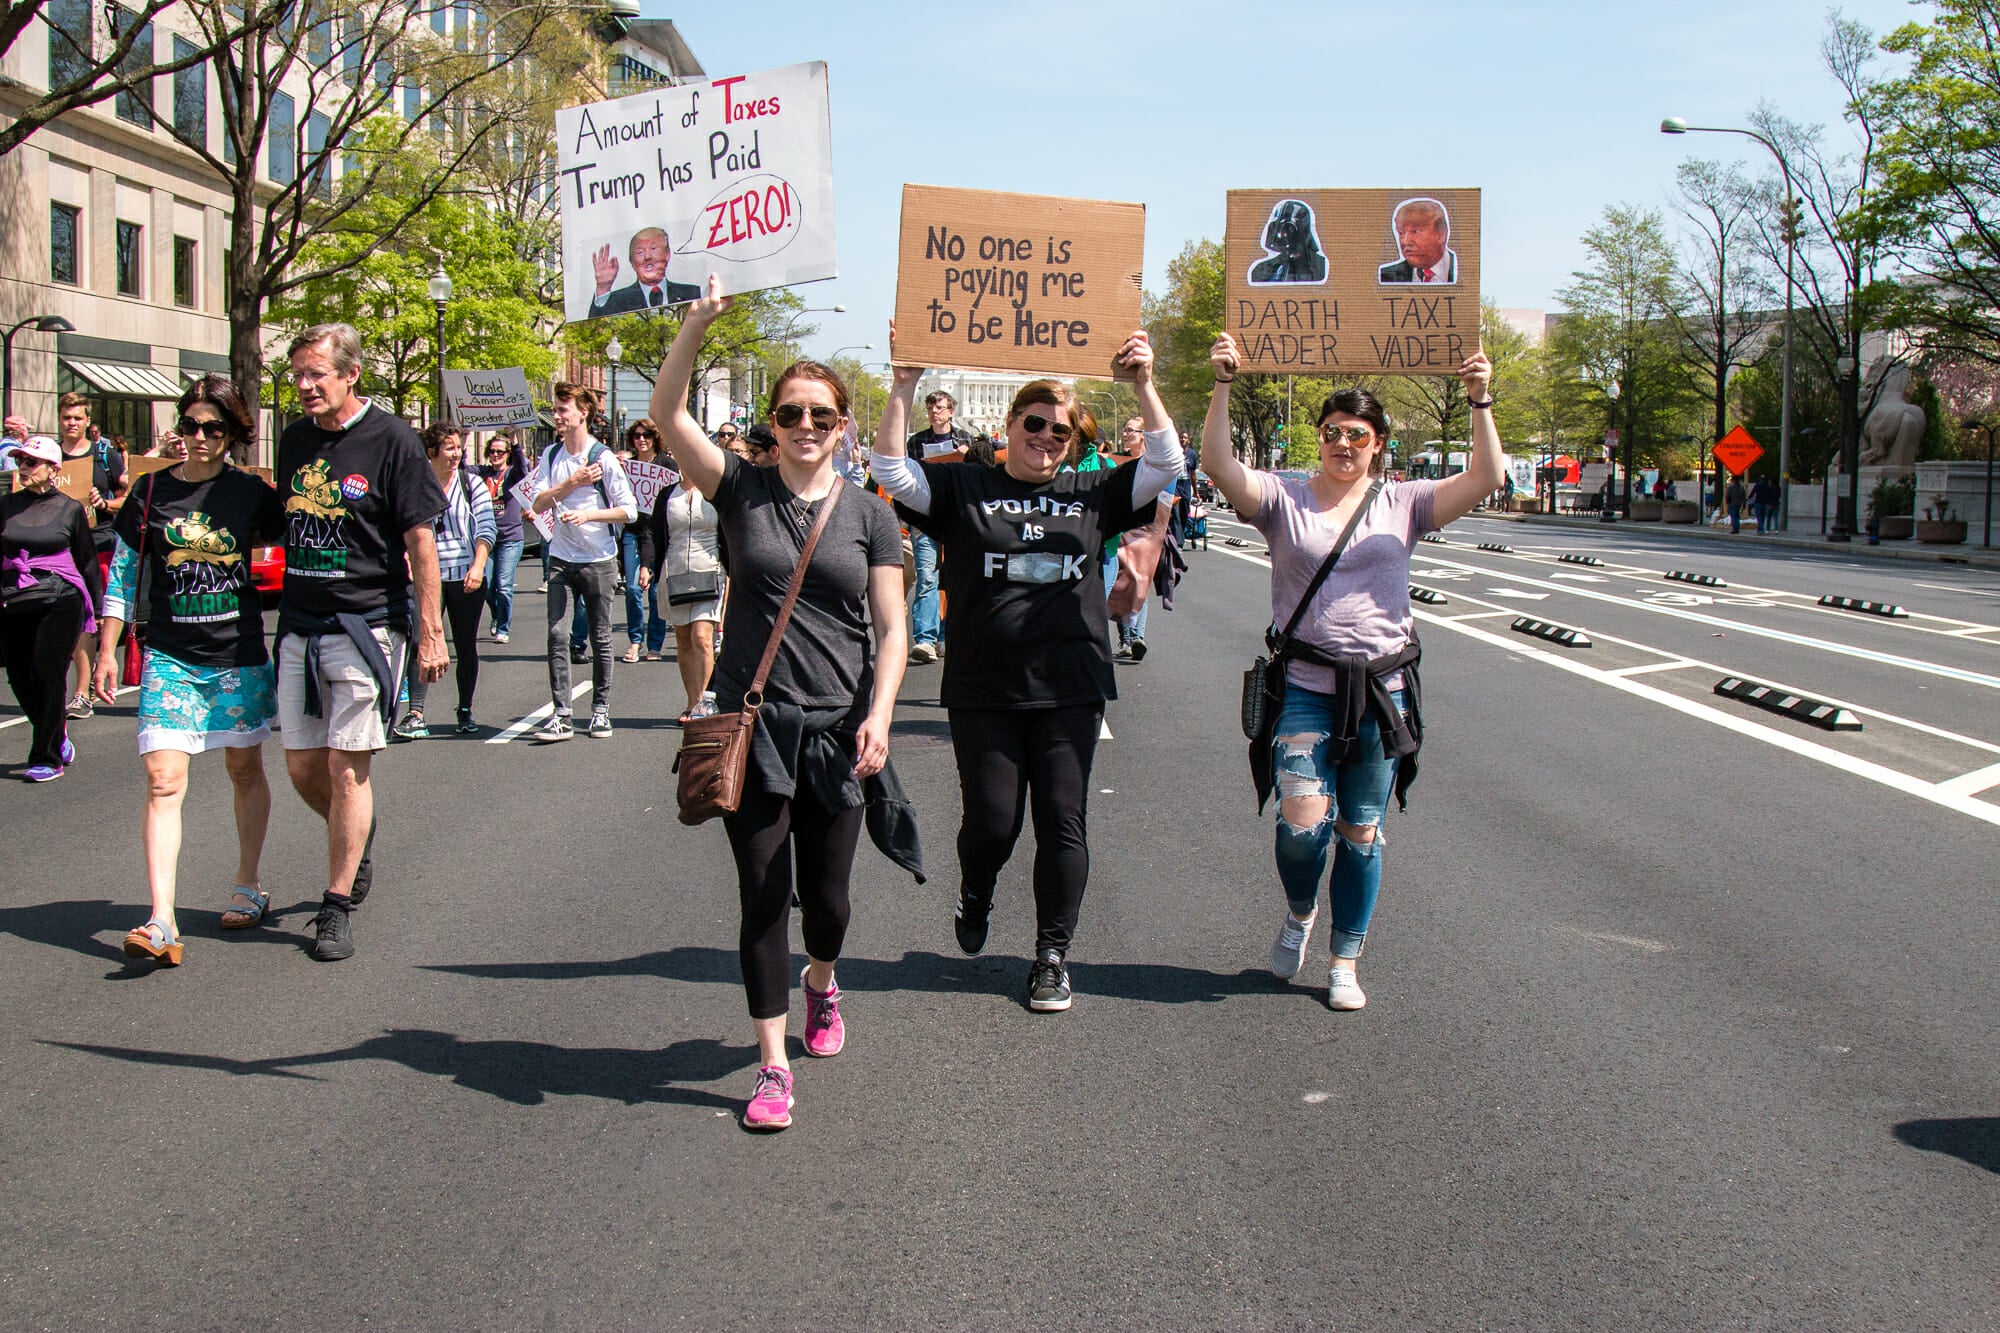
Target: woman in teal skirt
(206, 682)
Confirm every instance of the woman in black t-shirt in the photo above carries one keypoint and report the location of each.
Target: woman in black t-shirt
(1029, 668)
(50, 587)
(206, 682)
(822, 739)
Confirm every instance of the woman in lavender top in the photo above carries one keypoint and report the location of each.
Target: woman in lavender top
(1347, 735)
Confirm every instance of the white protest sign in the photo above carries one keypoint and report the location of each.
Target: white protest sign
(662, 188)
(485, 399)
(524, 491)
(648, 480)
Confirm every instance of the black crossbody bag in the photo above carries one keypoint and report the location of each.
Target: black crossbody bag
(1264, 682)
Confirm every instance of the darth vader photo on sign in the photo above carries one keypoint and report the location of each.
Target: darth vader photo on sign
(1291, 244)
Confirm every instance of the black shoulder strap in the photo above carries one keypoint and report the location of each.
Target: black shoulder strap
(1326, 568)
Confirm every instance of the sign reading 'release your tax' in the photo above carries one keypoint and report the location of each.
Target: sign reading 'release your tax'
(660, 189)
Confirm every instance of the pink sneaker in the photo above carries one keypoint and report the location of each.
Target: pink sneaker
(825, 1033)
(771, 1103)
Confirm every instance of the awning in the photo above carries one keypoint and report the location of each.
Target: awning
(126, 379)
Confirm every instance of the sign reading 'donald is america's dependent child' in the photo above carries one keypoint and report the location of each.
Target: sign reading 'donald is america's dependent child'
(1353, 282)
(662, 188)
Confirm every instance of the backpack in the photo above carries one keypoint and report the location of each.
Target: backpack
(590, 455)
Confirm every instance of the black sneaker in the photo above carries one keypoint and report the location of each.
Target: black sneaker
(333, 935)
(559, 727)
(1136, 649)
(969, 922)
(1048, 983)
(466, 726)
(364, 873)
(579, 656)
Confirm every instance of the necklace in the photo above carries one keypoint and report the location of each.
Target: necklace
(802, 511)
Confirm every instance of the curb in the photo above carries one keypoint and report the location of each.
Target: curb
(1966, 556)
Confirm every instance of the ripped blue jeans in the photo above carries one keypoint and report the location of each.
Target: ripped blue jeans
(1359, 787)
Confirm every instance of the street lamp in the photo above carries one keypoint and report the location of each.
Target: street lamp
(1843, 505)
(440, 287)
(1974, 423)
(1676, 125)
(851, 347)
(41, 324)
(612, 351)
(1610, 511)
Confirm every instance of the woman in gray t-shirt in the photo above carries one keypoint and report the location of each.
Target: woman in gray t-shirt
(1351, 717)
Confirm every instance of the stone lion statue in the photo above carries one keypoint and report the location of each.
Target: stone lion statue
(1894, 428)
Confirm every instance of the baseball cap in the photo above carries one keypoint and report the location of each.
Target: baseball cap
(42, 448)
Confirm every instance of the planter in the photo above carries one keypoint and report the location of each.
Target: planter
(1680, 511)
(1645, 511)
(1896, 527)
(1941, 532)
(1522, 506)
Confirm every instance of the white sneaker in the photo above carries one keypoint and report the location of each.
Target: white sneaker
(1288, 954)
(923, 652)
(1343, 991)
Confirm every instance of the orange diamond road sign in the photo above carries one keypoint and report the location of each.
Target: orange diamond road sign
(1738, 450)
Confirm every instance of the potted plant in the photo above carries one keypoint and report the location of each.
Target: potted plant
(1892, 507)
(1680, 511)
(1940, 527)
(1645, 509)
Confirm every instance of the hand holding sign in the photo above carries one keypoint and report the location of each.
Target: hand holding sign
(604, 267)
(1225, 358)
(1477, 377)
(1135, 359)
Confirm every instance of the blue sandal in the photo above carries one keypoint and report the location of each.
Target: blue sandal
(246, 917)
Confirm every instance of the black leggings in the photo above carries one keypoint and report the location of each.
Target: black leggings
(766, 834)
(1042, 754)
(37, 643)
(461, 613)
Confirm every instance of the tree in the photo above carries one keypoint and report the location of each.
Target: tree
(1939, 198)
(1720, 287)
(1618, 334)
(1183, 324)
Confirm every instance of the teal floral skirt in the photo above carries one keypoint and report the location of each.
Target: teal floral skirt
(194, 708)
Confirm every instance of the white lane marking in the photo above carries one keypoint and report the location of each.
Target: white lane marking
(1865, 769)
(1946, 587)
(1971, 784)
(17, 721)
(1761, 631)
(1579, 578)
(536, 718)
(1678, 665)
(1517, 593)
(1969, 633)
(1480, 615)
(1103, 730)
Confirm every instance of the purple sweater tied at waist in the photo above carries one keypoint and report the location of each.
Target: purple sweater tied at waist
(24, 570)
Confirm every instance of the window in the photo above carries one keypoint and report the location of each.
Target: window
(319, 43)
(185, 272)
(65, 227)
(413, 102)
(438, 19)
(190, 96)
(131, 247)
(134, 106)
(69, 41)
(318, 162)
(284, 137)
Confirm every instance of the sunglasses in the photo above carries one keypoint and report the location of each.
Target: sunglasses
(789, 415)
(1035, 425)
(1351, 434)
(208, 430)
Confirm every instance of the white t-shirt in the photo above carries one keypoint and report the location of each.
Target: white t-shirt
(586, 543)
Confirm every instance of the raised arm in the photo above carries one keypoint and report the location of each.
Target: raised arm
(1161, 462)
(889, 459)
(1457, 496)
(701, 459)
(1234, 480)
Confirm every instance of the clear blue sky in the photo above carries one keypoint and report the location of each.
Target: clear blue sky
(1551, 108)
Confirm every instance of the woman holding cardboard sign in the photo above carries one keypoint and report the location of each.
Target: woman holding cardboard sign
(1030, 670)
(1345, 715)
(820, 747)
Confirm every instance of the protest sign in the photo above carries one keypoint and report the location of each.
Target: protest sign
(1353, 282)
(1016, 281)
(662, 188)
(648, 480)
(486, 399)
(524, 491)
(74, 480)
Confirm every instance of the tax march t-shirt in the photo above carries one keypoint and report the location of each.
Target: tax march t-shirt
(202, 599)
(1020, 566)
(349, 497)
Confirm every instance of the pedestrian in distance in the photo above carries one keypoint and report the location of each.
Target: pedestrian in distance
(645, 627)
(181, 567)
(79, 439)
(819, 761)
(1031, 669)
(504, 468)
(1136, 556)
(465, 536)
(51, 588)
(585, 486)
(940, 441)
(679, 548)
(1734, 498)
(361, 578)
(1348, 731)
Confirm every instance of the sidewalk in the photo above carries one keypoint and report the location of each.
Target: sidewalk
(1967, 553)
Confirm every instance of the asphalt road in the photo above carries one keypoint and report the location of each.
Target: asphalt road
(1681, 1014)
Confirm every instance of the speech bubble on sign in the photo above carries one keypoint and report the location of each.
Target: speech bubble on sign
(751, 219)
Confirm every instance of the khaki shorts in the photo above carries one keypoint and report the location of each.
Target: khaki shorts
(350, 702)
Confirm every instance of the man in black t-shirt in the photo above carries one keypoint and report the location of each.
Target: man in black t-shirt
(107, 492)
(361, 572)
(942, 443)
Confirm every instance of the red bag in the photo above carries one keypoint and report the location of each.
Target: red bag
(135, 635)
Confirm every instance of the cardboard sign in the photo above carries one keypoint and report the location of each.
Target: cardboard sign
(524, 491)
(485, 399)
(74, 480)
(1353, 282)
(662, 188)
(648, 481)
(138, 465)
(1021, 282)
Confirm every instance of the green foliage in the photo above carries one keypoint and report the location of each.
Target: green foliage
(1183, 324)
(1940, 432)
(1893, 498)
(1757, 393)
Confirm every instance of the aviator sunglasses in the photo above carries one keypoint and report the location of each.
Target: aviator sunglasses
(1058, 431)
(789, 415)
(208, 430)
(1351, 434)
